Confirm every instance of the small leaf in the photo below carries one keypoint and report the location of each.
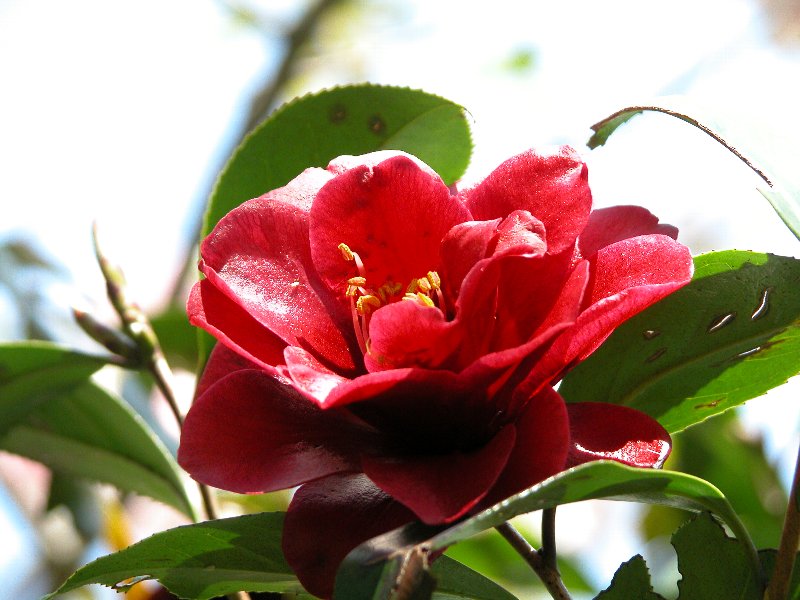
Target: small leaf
(782, 195)
(88, 432)
(200, 561)
(728, 336)
(314, 129)
(32, 373)
(630, 582)
(713, 565)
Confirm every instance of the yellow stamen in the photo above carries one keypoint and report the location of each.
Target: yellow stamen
(423, 285)
(346, 252)
(366, 304)
(357, 281)
(434, 280)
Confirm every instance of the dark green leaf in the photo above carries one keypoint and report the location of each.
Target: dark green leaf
(314, 129)
(177, 337)
(201, 561)
(631, 582)
(32, 373)
(727, 337)
(783, 195)
(712, 565)
(88, 432)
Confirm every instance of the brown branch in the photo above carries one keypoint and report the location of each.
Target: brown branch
(778, 588)
(261, 103)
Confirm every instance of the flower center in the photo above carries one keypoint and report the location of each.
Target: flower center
(366, 299)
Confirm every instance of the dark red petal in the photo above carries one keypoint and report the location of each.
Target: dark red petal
(442, 488)
(393, 214)
(249, 433)
(520, 234)
(614, 432)
(541, 448)
(614, 224)
(233, 326)
(407, 334)
(259, 256)
(553, 188)
(328, 518)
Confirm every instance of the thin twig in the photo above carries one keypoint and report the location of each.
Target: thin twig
(550, 577)
(778, 588)
(261, 103)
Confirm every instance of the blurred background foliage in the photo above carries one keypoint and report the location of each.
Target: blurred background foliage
(531, 78)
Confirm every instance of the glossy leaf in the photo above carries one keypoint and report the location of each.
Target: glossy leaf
(784, 197)
(727, 337)
(594, 480)
(32, 373)
(630, 582)
(88, 432)
(713, 565)
(200, 561)
(312, 130)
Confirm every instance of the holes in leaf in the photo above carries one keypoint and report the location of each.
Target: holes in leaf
(650, 334)
(763, 307)
(721, 321)
(338, 113)
(126, 584)
(376, 124)
(656, 355)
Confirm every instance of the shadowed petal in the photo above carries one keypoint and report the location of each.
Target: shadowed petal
(329, 517)
(442, 488)
(248, 433)
(541, 446)
(309, 376)
(553, 188)
(614, 432)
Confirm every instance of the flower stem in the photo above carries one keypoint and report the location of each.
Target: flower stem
(778, 588)
(548, 574)
(548, 550)
(138, 329)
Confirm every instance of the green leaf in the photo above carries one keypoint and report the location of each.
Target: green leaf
(630, 582)
(713, 565)
(782, 195)
(177, 337)
(88, 432)
(32, 373)
(728, 336)
(200, 561)
(595, 480)
(314, 129)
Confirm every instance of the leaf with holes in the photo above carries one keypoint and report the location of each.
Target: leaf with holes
(33, 373)
(728, 336)
(90, 433)
(312, 130)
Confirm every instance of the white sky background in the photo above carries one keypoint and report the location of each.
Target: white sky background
(116, 111)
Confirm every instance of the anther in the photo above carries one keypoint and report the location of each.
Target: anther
(347, 254)
(366, 304)
(434, 280)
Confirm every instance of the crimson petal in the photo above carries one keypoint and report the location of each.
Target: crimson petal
(610, 431)
(394, 214)
(442, 488)
(259, 256)
(329, 517)
(553, 188)
(249, 433)
(616, 223)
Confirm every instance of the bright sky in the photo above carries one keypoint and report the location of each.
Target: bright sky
(115, 112)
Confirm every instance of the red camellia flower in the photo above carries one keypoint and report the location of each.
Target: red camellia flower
(390, 344)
